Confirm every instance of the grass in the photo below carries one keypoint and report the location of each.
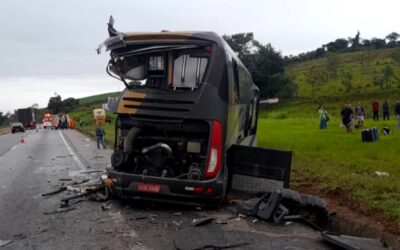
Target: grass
(89, 127)
(363, 65)
(334, 159)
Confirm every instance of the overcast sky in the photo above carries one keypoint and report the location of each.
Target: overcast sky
(48, 46)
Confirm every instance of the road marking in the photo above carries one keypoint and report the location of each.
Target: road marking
(14, 147)
(74, 156)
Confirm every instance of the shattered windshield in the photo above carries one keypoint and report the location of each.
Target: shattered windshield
(163, 67)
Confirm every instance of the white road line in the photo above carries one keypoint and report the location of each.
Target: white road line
(74, 156)
(14, 147)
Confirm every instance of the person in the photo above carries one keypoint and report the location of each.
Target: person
(397, 112)
(80, 123)
(360, 115)
(347, 114)
(323, 118)
(375, 110)
(385, 109)
(100, 136)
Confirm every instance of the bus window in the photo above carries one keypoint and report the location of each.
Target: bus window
(236, 79)
(188, 71)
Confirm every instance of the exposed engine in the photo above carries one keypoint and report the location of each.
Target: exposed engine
(171, 150)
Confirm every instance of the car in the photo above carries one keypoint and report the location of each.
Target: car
(17, 126)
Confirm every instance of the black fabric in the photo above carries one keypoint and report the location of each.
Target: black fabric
(346, 116)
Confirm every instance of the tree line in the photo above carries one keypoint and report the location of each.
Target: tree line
(57, 105)
(265, 64)
(350, 44)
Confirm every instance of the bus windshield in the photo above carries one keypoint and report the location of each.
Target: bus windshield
(164, 67)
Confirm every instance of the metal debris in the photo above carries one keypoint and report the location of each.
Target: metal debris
(60, 210)
(61, 189)
(5, 242)
(202, 221)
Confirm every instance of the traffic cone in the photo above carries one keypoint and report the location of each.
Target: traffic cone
(22, 140)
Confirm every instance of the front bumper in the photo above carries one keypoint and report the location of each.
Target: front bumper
(176, 191)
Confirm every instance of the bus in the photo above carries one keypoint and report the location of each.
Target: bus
(188, 100)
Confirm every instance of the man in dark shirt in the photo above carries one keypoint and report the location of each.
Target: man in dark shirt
(385, 108)
(347, 114)
(397, 112)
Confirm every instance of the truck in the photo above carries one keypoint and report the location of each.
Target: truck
(26, 116)
(99, 116)
(47, 119)
(187, 120)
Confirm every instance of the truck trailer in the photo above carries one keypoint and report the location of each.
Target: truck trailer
(26, 116)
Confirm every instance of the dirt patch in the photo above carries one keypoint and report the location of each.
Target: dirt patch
(354, 217)
(4, 131)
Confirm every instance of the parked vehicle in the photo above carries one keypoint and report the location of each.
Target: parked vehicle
(17, 127)
(47, 118)
(26, 117)
(188, 100)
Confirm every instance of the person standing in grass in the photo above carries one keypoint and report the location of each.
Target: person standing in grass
(360, 115)
(347, 114)
(397, 112)
(385, 109)
(323, 118)
(375, 110)
(100, 136)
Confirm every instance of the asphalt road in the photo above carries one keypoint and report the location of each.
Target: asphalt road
(51, 159)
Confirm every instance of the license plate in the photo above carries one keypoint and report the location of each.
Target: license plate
(149, 187)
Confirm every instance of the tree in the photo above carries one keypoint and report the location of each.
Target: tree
(392, 37)
(55, 104)
(3, 119)
(69, 104)
(355, 42)
(332, 65)
(388, 74)
(384, 80)
(241, 43)
(377, 43)
(314, 77)
(338, 45)
(396, 56)
(347, 81)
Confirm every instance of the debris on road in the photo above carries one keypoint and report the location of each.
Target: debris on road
(351, 242)
(202, 221)
(61, 189)
(5, 242)
(60, 210)
(106, 205)
(284, 204)
(65, 179)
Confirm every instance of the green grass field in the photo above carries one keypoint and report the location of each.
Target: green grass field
(363, 65)
(333, 158)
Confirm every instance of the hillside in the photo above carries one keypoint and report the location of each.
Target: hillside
(346, 74)
(97, 98)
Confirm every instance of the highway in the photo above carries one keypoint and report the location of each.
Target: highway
(50, 159)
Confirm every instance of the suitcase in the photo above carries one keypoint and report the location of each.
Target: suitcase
(366, 135)
(369, 135)
(375, 134)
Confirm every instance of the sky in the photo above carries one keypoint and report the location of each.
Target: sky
(48, 46)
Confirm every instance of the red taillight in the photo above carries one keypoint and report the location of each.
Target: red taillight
(215, 154)
(208, 49)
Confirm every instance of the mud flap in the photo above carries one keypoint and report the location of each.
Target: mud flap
(255, 169)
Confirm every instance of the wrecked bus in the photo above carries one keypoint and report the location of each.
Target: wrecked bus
(188, 100)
